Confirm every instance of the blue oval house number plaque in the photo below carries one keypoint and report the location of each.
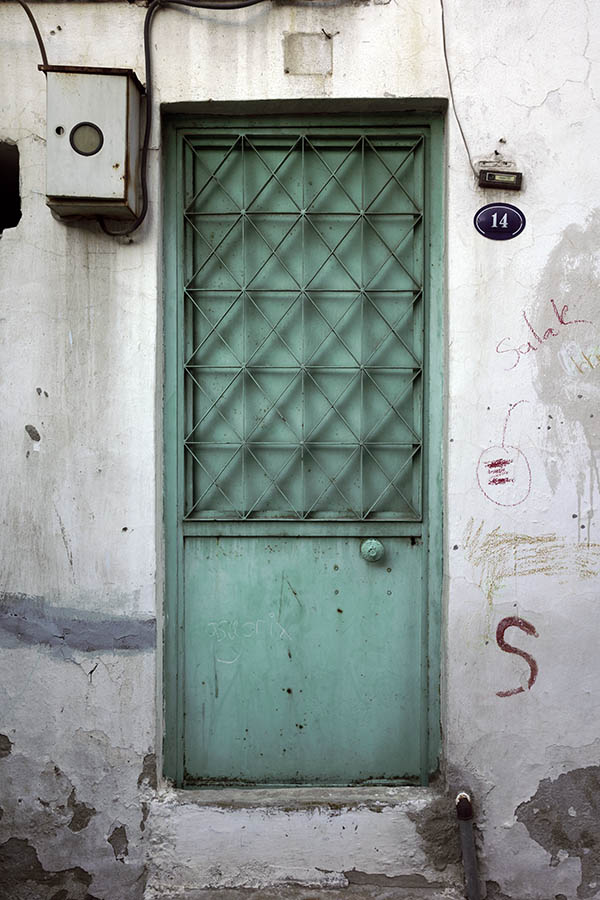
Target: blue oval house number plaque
(499, 221)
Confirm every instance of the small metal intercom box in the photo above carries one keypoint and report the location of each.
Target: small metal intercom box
(501, 180)
(93, 141)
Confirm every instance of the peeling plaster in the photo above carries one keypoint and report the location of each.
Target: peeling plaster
(82, 813)
(355, 876)
(148, 774)
(118, 841)
(20, 866)
(563, 816)
(67, 809)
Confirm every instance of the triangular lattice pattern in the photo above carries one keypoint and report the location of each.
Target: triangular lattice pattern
(303, 325)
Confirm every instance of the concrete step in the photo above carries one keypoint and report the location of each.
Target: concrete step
(377, 843)
(352, 892)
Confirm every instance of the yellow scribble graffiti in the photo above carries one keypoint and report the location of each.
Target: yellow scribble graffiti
(500, 555)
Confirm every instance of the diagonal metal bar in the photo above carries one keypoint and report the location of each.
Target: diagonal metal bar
(274, 483)
(415, 437)
(212, 176)
(391, 482)
(214, 483)
(213, 405)
(213, 325)
(410, 154)
(393, 328)
(190, 221)
(392, 406)
(273, 251)
(333, 482)
(332, 329)
(332, 404)
(273, 480)
(213, 250)
(216, 332)
(273, 329)
(333, 252)
(393, 252)
(273, 172)
(273, 404)
(333, 172)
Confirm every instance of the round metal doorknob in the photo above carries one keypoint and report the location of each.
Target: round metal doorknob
(372, 550)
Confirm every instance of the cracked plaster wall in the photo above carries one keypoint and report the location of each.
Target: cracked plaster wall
(80, 551)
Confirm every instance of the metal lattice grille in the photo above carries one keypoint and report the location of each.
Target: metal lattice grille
(303, 325)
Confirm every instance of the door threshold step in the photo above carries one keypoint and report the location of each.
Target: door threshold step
(352, 892)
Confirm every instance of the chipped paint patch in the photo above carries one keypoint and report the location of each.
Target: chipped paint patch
(355, 876)
(82, 813)
(33, 433)
(118, 841)
(148, 773)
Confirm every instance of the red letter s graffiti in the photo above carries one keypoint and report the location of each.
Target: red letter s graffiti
(528, 628)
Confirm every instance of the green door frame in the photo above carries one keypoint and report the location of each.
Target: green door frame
(432, 127)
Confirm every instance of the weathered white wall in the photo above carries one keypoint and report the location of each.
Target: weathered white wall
(81, 541)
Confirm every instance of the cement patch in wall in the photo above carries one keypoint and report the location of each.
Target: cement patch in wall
(308, 54)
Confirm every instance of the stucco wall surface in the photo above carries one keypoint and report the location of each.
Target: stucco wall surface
(81, 543)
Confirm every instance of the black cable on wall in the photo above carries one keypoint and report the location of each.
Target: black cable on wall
(38, 35)
(153, 8)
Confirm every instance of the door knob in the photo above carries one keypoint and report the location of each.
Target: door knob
(372, 550)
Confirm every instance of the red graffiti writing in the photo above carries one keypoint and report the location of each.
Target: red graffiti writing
(528, 628)
(503, 472)
(498, 471)
(522, 349)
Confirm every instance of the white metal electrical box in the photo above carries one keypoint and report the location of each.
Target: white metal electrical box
(93, 141)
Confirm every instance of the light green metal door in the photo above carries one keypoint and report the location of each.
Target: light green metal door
(302, 420)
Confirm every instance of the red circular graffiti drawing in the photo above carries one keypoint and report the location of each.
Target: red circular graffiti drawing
(503, 472)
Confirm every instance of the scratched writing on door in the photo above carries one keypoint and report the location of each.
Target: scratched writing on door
(234, 630)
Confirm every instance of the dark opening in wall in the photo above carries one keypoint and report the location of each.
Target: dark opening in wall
(10, 200)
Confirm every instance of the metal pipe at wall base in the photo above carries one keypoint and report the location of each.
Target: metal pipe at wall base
(464, 812)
